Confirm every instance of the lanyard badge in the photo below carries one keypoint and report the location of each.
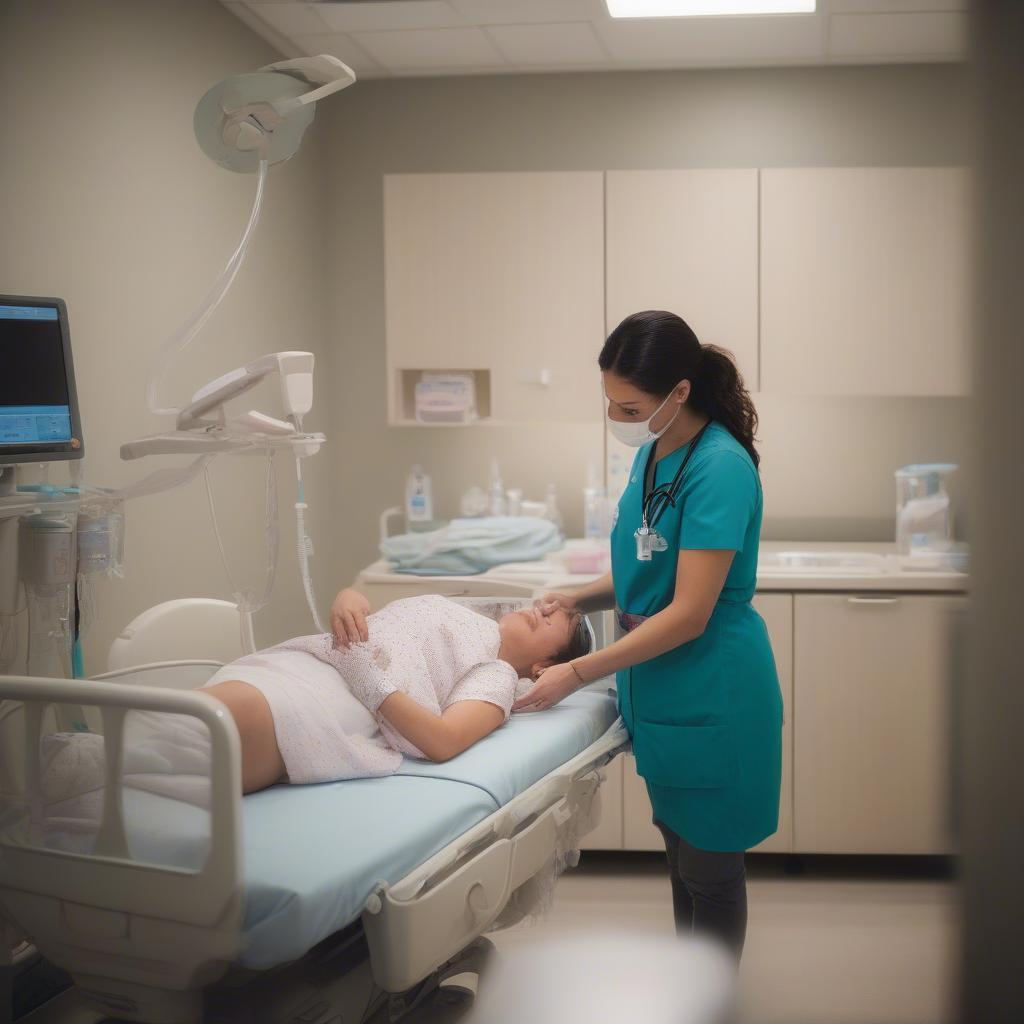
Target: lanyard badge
(643, 544)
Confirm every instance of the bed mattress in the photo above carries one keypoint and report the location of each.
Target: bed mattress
(313, 854)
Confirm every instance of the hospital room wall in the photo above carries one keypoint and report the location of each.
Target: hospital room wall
(107, 201)
(827, 462)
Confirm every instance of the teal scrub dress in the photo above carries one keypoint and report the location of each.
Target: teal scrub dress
(705, 717)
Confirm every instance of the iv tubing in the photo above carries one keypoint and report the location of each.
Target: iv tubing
(191, 327)
(305, 547)
(248, 603)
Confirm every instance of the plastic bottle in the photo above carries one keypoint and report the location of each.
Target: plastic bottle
(419, 504)
(498, 503)
(593, 506)
(551, 508)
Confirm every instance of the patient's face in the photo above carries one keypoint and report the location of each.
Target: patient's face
(529, 638)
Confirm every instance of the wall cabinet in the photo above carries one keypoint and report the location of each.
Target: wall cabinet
(871, 699)
(838, 281)
(686, 241)
(864, 280)
(503, 273)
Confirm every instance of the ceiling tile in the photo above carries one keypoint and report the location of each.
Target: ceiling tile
(934, 34)
(432, 49)
(388, 16)
(290, 19)
(280, 42)
(339, 45)
(719, 41)
(530, 12)
(548, 44)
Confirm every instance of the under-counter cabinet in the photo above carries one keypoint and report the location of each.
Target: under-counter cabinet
(608, 834)
(502, 274)
(872, 716)
(865, 277)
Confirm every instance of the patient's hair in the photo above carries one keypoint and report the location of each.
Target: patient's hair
(579, 643)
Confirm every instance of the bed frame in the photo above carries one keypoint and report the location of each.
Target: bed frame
(157, 943)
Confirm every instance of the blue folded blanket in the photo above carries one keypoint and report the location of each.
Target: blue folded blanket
(466, 547)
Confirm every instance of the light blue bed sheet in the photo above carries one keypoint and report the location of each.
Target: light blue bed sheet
(314, 853)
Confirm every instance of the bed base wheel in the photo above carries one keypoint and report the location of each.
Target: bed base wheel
(459, 988)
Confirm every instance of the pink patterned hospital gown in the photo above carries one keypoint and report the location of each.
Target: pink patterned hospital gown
(428, 647)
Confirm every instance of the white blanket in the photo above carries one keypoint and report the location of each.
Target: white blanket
(167, 754)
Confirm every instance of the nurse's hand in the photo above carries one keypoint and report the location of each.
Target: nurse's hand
(553, 685)
(348, 618)
(552, 602)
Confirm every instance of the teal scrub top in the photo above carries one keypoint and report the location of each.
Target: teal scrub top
(705, 717)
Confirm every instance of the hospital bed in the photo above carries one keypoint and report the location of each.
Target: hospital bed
(319, 903)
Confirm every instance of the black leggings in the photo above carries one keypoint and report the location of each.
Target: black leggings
(709, 891)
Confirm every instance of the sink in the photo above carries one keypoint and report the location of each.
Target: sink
(824, 563)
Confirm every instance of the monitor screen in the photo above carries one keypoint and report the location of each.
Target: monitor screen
(38, 405)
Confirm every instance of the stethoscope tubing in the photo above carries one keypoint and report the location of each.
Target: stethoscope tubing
(667, 493)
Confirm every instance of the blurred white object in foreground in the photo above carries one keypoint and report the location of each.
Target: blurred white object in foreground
(607, 976)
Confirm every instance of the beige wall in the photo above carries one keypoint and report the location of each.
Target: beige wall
(827, 463)
(107, 201)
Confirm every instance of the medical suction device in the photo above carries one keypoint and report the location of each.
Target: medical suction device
(245, 124)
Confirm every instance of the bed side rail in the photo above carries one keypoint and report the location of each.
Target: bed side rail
(108, 877)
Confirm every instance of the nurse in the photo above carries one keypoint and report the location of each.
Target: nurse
(696, 677)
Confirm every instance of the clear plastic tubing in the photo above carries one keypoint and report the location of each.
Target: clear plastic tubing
(194, 324)
(305, 547)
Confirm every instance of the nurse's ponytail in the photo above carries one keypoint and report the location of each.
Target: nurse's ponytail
(718, 390)
(654, 350)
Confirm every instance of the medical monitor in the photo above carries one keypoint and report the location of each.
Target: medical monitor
(39, 419)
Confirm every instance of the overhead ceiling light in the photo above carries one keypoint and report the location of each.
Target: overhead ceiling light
(705, 8)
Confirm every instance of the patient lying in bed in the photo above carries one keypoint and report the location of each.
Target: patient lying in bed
(424, 676)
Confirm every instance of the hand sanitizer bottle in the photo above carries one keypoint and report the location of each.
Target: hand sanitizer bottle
(419, 505)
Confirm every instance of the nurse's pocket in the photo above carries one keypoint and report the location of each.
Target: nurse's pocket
(685, 756)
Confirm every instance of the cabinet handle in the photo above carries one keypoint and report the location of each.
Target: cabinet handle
(873, 600)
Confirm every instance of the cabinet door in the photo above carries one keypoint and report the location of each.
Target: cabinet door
(499, 272)
(777, 612)
(638, 831)
(608, 834)
(686, 241)
(864, 280)
(872, 751)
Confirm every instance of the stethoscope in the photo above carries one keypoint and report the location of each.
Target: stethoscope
(655, 503)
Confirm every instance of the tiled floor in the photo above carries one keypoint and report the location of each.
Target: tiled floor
(845, 942)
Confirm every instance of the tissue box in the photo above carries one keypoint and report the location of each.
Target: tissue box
(446, 398)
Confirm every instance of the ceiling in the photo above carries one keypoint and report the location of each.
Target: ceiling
(413, 38)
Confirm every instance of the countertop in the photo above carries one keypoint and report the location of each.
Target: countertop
(884, 569)
(783, 566)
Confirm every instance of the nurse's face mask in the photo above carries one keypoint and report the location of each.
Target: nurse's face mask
(636, 435)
